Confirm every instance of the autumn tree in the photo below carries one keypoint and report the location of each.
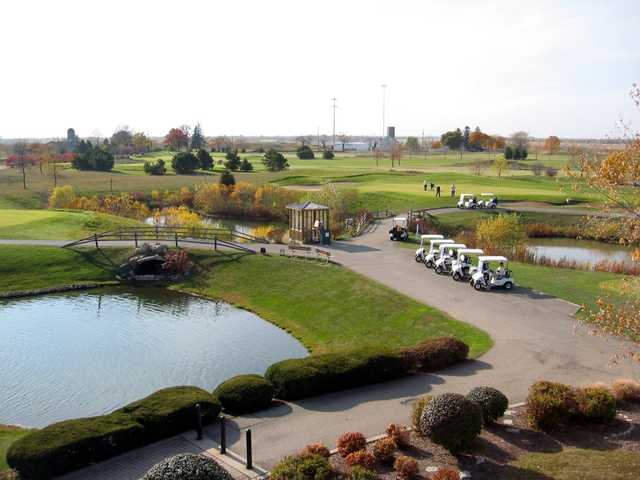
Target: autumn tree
(500, 142)
(501, 164)
(141, 143)
(177, 138)
(436, 144)
(21, 160)
(552, 145)
(501, 234)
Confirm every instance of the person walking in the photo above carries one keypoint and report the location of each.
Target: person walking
(437, 190)
(431, 185)
(453, 190)
(424, 185)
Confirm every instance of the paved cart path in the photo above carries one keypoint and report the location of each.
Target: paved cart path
(535, 337)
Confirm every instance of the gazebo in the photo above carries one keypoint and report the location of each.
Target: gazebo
(308, 222)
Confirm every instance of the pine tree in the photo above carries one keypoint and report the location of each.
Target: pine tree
(227, 178)
(197, 138)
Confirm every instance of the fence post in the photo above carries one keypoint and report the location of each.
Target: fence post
(215, 242)
(199, 421)
(249, 452)
(223, 436)
(135, 238)
(176, 239)
(95, 238)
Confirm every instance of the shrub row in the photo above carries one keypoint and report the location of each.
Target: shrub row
(435, 354)
(244, 394)
(71, 444)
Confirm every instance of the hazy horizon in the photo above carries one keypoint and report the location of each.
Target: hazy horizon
(271, 68)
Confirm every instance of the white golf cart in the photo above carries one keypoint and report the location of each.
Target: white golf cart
(448, 253)
(486, 278)
(467, 200)
(424, 239)
(462, 269)
(399, 230)
(489, 200)
(434, 251)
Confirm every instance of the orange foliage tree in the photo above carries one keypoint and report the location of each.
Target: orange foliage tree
(552, 144)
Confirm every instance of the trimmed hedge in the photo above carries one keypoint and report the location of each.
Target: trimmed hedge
(71, 444)
(187, 466)
(596, 404)
(244, 394)
(302, 467)
(492, 401)
(331, 372)
(550, 405)
(435, 354)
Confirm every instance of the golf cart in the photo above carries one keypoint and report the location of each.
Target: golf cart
(424, 239)
(467, 200)
(434, 251)
(448, 254)
(461, 268)
(486, 278)
(399, 230)
(489, 201)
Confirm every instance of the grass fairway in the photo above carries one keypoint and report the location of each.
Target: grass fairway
(8, 435)
(56, 224)
(27, 268)
(328, 307)
(577, 464)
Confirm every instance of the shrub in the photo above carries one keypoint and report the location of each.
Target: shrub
(446, 473)
(187, 466)
(317, 374)
(95, 158)
(626, 390)
(416, 411)
(350, 442)
(596, 404)
(549, 404)
(171, 411)
(316, 449)
(399, 434)
(227, 179)
(71, 444)
(246, 166)
(328, 155)
(435, 354)
(184, 162)
(302, 467)
(361, 473)
(384, 449)
(305, 153)
(155, 168)
(233, 161)
(452, 421)
(405, 467)
(275, 161)
(361, 458)
(551, 172)
(244, 393)
(205, 161)
(493, 403)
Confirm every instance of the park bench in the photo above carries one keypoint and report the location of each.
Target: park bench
(294, 249)
(323, 254)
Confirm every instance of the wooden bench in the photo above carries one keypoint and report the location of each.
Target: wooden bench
(293, 249)
(323, 254)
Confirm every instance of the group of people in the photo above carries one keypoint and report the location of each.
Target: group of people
(432, 185)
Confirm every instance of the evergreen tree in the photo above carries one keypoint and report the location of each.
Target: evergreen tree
(184, 163)
(204, 159)
(508, 152)
(95, 158)
(304, 152)
(246, 166)
(467, 132)
(197, 138)
(275, 161)
(233, 161)
(328, 155)
(227, 178)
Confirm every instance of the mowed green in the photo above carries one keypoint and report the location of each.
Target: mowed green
(328, 307)
(57, 224)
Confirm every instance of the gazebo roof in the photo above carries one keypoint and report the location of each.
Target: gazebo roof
(306, 206)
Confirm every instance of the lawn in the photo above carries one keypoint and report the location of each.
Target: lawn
(8, 435)
(577, 464)
(57, 224)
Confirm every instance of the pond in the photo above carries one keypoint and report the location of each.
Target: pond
(82, 354)
(583, 251)
(239, 225)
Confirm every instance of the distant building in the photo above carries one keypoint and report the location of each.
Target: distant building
(352, 147)
(72, 139)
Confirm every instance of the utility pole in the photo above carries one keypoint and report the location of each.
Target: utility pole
(334, 122)
(384, 106)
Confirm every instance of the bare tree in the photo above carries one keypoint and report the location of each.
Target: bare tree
(21, 150)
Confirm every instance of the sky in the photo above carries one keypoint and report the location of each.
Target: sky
(256, 67)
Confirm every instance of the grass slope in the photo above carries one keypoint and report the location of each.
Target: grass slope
(8, 435)
(56, 224)
(328, 307)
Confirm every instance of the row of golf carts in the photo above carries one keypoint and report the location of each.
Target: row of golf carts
(446, 257)
(469, 201)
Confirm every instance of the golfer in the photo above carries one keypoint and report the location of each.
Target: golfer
(437, 190)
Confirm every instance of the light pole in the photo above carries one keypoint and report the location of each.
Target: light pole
(334, 122)
(384, 106)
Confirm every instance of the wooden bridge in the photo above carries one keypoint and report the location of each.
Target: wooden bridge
(217, 237)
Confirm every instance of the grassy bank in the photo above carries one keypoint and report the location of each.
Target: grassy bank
(8, 435)
(57, 224)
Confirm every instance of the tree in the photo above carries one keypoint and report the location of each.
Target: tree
(466, 135)
(204, 159)
(552, 144)
(436, 144)
(397, 152)
(197, 138)
(227, 179)
(96, 158)
(275, 161)
(176, 139)
(246, 166)
(501, 234)
(520, 140)
(141, 143)
(184, 163)
(155, 168)
(500, 142)
(501, 164)
(121, 139)
(328, 155)
(508, 152)
(21, 160)
(412, 144)
(233, 161)
(304, 152)
(453, 139)
(304, 140)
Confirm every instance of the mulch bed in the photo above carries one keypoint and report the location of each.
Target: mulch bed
(511, 437)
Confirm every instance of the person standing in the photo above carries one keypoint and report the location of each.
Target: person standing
(453, 190)
(424, 185)
(437, 190)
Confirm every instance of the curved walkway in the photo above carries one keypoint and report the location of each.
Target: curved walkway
(535, 335)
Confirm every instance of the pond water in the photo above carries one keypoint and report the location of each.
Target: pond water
(584, 251)
(82, 354)
(240, 225)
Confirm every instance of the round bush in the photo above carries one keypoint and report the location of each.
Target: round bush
(550, 405)
(405, 467)
(302, 467)
(596, 404)
(446, 473)
(187, 466)
(493, 403)
(626, 390)
(452, 421)
(316, 449)
(244, 394)
(361, 473)
(399, 434)
(350, 442)
(416, 411)
(435, 354)
(361, 458)
(384, 448)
